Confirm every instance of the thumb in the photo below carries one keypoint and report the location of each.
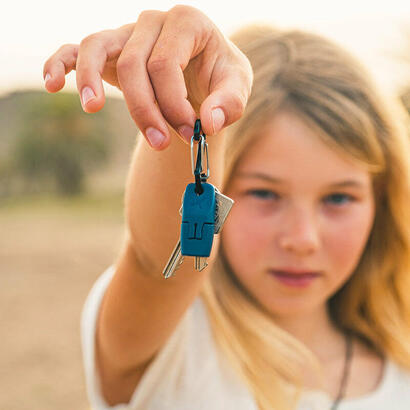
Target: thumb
(225, 103)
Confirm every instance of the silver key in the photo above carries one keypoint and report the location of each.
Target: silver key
(176, 258)
(174, 261)
(223, 207)
(200, 263)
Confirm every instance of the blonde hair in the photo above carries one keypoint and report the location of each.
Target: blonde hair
(326, 87)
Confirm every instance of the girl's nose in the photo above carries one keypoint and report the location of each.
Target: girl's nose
(299, 233)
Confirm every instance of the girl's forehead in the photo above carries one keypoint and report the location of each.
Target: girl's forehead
(287, 148)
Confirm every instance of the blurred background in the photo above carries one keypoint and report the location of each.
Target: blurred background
(62, 171)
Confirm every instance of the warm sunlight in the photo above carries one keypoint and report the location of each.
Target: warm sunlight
(373, 32)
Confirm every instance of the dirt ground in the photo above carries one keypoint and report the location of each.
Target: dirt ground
(50, 255)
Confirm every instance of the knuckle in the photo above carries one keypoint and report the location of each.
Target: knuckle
(181, 10)
(157, 64)
(237, 106)
(192, 20)
(109, 38)
(140, 112)
(126, 61)
(66, 55)
(67, 49)
(147, 14)
(91, 39)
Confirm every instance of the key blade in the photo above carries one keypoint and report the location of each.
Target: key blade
(223, 205)
(182, 202)
(200, 263)
(174, 261)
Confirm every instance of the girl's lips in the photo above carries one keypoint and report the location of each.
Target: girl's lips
(299, 279)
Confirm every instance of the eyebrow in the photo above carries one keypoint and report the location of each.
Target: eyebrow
(275, 180)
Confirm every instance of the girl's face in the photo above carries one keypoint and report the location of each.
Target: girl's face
(301, 218)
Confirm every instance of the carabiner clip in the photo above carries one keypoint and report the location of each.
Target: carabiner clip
(202, 153)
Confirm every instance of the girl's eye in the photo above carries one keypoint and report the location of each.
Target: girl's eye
(339, 199)
(263, 194)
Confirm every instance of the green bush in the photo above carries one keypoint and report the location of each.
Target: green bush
(57, 143)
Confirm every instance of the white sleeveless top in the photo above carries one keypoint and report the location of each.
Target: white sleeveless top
(187, 373)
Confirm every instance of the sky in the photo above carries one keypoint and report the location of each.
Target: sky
(374, 31)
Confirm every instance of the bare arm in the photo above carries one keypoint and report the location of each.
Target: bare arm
(170, 66)
(140, 308)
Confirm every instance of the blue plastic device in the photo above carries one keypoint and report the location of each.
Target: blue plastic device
(198, 221)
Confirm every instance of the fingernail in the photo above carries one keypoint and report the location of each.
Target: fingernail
(186, 131)
(46, 78)
(155, 137)
(218, 119)
(87, 94)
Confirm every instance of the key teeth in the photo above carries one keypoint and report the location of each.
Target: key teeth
(172, 273)
(200, 263)
(203, 267)
(224, 206)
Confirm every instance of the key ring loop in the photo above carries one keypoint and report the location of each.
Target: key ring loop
(197, 130)
(202, 153)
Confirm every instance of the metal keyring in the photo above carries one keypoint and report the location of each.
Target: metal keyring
(202, 153)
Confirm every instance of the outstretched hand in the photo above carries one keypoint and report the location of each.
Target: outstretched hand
(171, 66)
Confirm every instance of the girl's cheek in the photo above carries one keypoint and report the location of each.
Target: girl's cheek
(345, 240)
(243, 233)
(252, 222)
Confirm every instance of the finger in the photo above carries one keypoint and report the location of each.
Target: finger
(93, 54)
(135, 82)
(58, 65)
(227, 99)
(182, 38)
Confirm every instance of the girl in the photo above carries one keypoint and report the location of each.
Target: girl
(304, 304)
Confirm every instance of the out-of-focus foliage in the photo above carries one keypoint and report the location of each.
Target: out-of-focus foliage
(48, 144)
(57, 143)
